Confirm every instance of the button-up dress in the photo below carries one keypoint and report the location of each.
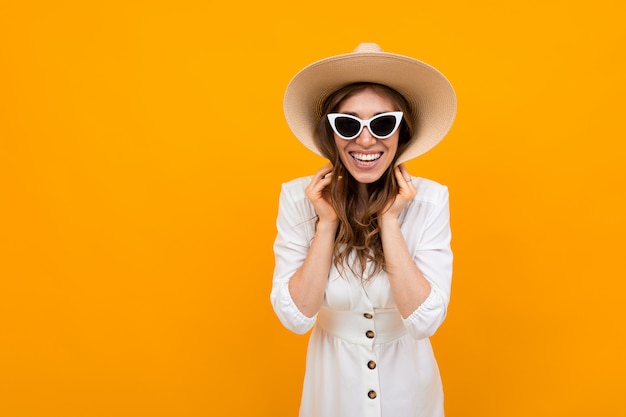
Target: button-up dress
(363, 358)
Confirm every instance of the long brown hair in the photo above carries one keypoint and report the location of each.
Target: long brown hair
(359, 231)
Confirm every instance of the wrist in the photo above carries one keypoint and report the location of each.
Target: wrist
(327, 225)
(388, 220)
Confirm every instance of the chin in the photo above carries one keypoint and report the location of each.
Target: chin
(366, 177)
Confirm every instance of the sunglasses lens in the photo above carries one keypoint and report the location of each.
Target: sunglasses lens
(347, 127)
(383, 125)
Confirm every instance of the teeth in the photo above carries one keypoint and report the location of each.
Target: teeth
(366, 157)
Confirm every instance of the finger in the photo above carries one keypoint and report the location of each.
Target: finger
(400, 178)
(405, 174)
(323, 182)
(398, 174)
(323, 172)
(320, 181)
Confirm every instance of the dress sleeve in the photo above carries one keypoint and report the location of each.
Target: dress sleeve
(433, 257)
(295, 225)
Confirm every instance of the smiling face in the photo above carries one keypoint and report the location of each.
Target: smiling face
(365, 157)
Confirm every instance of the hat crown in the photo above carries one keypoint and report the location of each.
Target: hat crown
(368, 47)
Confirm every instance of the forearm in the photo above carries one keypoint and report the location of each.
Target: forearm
(408, 285)
(308, 284)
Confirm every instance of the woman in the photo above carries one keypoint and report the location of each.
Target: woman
(363, 248)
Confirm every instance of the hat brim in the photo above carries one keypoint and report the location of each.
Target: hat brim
(430, 95)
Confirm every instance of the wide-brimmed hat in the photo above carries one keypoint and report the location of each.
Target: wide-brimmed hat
(430, 95)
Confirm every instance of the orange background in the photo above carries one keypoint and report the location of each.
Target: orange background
(142, 147)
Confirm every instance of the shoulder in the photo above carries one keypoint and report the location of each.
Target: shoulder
(294, 202)
(293, 190)
(429, 191)
(428, 212)
(296, 186)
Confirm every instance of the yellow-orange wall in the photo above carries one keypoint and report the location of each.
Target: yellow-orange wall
(142, 147)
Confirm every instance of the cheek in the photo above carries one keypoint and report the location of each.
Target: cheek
(396, 141)
(340, 144)
(392, 144)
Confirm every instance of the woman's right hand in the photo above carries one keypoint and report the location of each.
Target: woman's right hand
(307, 285)
(318, 194)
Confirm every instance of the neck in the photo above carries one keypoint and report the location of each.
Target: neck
(362, 189)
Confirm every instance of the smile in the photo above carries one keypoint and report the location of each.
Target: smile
(366, 157)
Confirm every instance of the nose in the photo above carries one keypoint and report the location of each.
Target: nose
(365, 139)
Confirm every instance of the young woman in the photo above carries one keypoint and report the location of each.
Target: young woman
(363, 248)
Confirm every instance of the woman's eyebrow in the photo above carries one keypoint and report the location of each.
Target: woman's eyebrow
(351, 113)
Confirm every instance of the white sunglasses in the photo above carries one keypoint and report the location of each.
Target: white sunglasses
(380, 126)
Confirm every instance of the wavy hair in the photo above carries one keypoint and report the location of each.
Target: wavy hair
(358, 231)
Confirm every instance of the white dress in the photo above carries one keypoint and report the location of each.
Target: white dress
(364, 359)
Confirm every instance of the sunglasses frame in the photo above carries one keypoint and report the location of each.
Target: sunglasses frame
(365, 123)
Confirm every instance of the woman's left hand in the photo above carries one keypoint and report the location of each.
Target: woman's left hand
(406, 193)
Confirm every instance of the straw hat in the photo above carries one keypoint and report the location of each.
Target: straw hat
(429, 94)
